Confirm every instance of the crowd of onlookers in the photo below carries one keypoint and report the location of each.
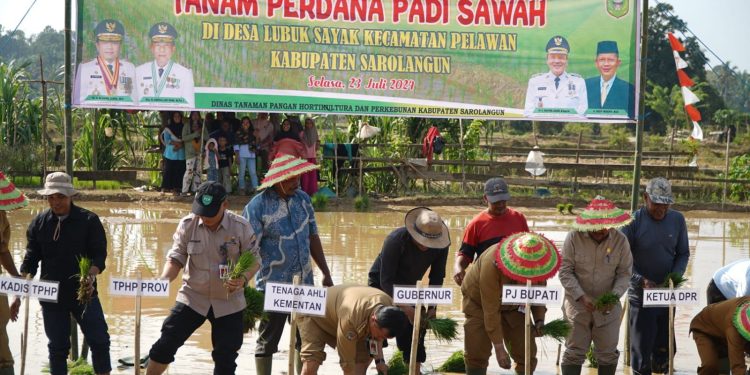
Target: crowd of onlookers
(221, 146)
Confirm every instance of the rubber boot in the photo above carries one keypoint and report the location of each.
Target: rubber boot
(263, 365)
(6, 371)
(570, 369)
(476, 371)
(607, 369)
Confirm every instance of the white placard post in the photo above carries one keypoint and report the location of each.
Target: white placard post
(42, 290)
(138, 288)
(295, 299)
(530, 295)
(670, 297)
(419, 296)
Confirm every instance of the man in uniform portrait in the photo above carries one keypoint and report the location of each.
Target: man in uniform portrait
(606, 91)
(557, 88)
(163, 82)
(107, 78)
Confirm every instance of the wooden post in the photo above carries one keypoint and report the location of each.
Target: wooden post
(413, 365)
(137, 346)
(726, 172)
(463, 155)
(293, 334)
(578, 156)
(626, 341)
(527, 334)
(25, 334)
(95, 146)
(335, 162)
(671, 331)
(671, 146)
(45, 136)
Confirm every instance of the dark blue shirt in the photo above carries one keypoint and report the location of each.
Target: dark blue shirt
(658, 247)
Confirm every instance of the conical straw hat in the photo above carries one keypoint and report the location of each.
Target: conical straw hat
(528, 256)
(601, 214)
(284, 167)
(10, 197)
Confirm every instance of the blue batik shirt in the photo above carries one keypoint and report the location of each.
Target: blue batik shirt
(284, 227)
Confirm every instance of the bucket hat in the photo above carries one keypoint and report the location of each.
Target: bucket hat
(427, 228)
(527, 256)
(10, 197)
(58, 183)
(601, 214)
(284, 167)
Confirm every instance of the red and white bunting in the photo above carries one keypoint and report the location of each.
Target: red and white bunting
(685, 82)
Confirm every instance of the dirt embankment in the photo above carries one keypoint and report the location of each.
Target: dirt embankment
(382, 204)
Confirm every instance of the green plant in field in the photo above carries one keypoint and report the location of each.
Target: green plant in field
(561, 208)
(109, 152)
(396, 365)
(362, 203)
(454, 363)
(444, 329)
(593, 363)
(740, 170)
(319, 201)
(253, 310)
(558, 330)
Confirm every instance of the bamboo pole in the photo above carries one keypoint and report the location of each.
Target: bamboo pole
(527, 334)
(68, 90)
(293, 334)
(726, 171)
(25, 334)
(463, 155)
(413, 365)
(45, 136)
(671, 331)
(578, 157)
(137, 346)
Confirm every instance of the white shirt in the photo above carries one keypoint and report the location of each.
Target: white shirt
(176, 83)
(732, 279)
(570, 92)
(90, 84)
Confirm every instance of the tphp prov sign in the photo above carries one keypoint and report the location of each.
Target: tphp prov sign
(42, 290)
(302, 299)
(665, 297)
(146, 288)
(535, 295)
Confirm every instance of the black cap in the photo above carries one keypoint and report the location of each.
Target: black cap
(558, 44)
(208, 199)
(109, 30)
(162, 32)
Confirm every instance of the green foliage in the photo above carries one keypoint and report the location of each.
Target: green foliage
(573, 129)
(561, 208)
(593, 363)
(444, 329)
(558, 330)
(362, 203)
(677, 280)
(79, 367)
(454, 363)
(740, 170)
(84, 265)
(396, 365)
(319, 202)
(109, 152)
(606, 301)
(569, 208)
(618, 138)
(245, 261)
(254, 310)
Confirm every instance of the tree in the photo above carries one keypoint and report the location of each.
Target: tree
(733, 86)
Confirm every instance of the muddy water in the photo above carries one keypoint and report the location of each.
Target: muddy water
(140, 236)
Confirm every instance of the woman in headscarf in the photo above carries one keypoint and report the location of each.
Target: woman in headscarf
(310, 142)
(174, 155)
(287, 141)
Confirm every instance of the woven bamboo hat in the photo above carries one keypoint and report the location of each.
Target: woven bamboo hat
(284, 167)
(601, 214)
(527, 256)
(741, 320)
(10, 197)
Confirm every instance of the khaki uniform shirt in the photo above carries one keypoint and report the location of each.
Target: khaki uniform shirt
(715, 320)
(199, 250)
(4, 234)
(592, 269)
(484, 285)
(348, 312)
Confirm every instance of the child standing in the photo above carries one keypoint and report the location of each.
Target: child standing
(212, 160)
(225, 154)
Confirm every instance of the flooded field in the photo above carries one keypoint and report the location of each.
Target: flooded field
(140, 236)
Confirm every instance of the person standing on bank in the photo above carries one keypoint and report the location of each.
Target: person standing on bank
(406, 255)
(10, 199)
(489, 227)
(58, 237)
(193, 136)
(284, 218)
(596, 260)
(205, 243)
(730, 281)
(163, 82)
(659, 242)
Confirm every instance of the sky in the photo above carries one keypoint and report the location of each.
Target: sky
(718, 23)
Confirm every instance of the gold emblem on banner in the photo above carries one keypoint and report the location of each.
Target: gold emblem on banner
(618, 8)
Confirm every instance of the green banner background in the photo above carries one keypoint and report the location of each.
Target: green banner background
(477, 79)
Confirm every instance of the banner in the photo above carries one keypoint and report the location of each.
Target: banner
(492, 59)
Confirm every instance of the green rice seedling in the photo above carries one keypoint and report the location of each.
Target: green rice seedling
(362, 203)
(454, 363)
(606, 301)
(396, 365)
(245, 261)
(558, 330)
(677, 280)
(84, 265)
(254, 310)
(319, 202)
(80, 367)
(561, 208)
(444, 329)
(569, 208)
(593, 363)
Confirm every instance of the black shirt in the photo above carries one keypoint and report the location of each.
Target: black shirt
(225, 156)
(81, 234)
(401, 262)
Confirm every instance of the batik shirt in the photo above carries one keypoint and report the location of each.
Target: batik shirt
(285, 227)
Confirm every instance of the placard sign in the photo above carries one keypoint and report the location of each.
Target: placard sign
(131, 287)
(535, 295)
(665, 297)
(302, 299)
(39, 289)
(429, 295)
